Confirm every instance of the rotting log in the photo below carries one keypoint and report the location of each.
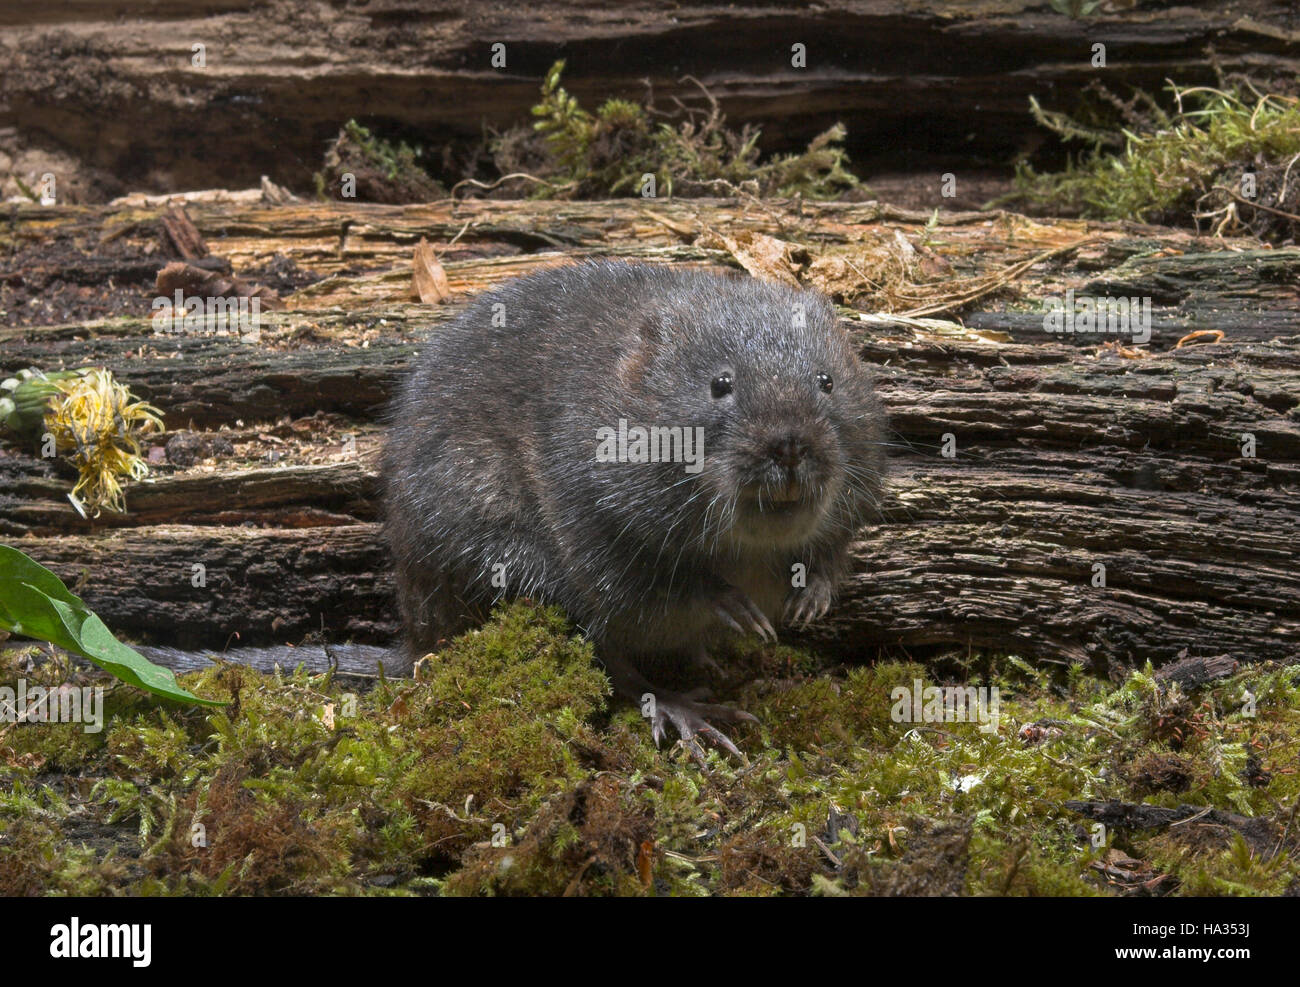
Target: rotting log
(113, 87)
(218, 586)
(1061, 466)
(1066, 456)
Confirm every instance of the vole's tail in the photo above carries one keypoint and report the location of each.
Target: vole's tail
(355, 659)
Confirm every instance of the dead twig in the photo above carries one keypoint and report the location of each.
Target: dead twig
(489, 186)
(976, 288)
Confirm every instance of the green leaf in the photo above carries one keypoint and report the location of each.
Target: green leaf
(35, 603)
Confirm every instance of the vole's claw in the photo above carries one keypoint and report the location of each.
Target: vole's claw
(728, 619)
(703, 660)
(760, 619)
(656, 729)
(811, 610)
(721, 739)
(727, 713)
(738, 612)
(688, 718)
(808, 604)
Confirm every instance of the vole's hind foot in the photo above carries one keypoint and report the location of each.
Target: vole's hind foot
(688, 718)
(737, 611)
(809, 603)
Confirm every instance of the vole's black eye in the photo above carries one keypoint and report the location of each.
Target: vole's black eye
(825, 383)
(721, 385)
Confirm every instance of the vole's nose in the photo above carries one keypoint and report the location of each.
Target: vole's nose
(788, 451)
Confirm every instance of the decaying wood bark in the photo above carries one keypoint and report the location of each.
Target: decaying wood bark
(1176, 473)
(113, 88)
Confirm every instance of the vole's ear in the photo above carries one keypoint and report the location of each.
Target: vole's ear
(632, 365)
(652, 332)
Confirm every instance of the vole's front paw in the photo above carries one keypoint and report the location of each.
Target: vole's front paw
(688, 718)
(703, 661)
(737, 611)
(810, 602)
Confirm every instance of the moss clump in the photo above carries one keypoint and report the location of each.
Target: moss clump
(590, 838)
(499, 770)
(494, 727)
(382, 171)
(299, 786)
(691, 152)
(1222, 159)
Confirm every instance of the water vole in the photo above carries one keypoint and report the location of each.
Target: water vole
(516, 466)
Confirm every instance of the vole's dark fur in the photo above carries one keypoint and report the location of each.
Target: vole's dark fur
(491, 465)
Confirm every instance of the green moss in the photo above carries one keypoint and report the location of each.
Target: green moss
(609, 152)
(502, 769)
(381, 170)
(1181, 167)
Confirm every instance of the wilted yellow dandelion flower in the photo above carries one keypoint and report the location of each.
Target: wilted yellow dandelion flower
(95, 421)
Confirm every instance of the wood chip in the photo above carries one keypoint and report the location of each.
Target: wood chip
(181, 235)
(763, 256)
(429, 284)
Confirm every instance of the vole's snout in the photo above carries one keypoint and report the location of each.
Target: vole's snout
(788, 451)
(785, 467)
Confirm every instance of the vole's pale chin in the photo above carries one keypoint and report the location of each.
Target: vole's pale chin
(776, 524)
